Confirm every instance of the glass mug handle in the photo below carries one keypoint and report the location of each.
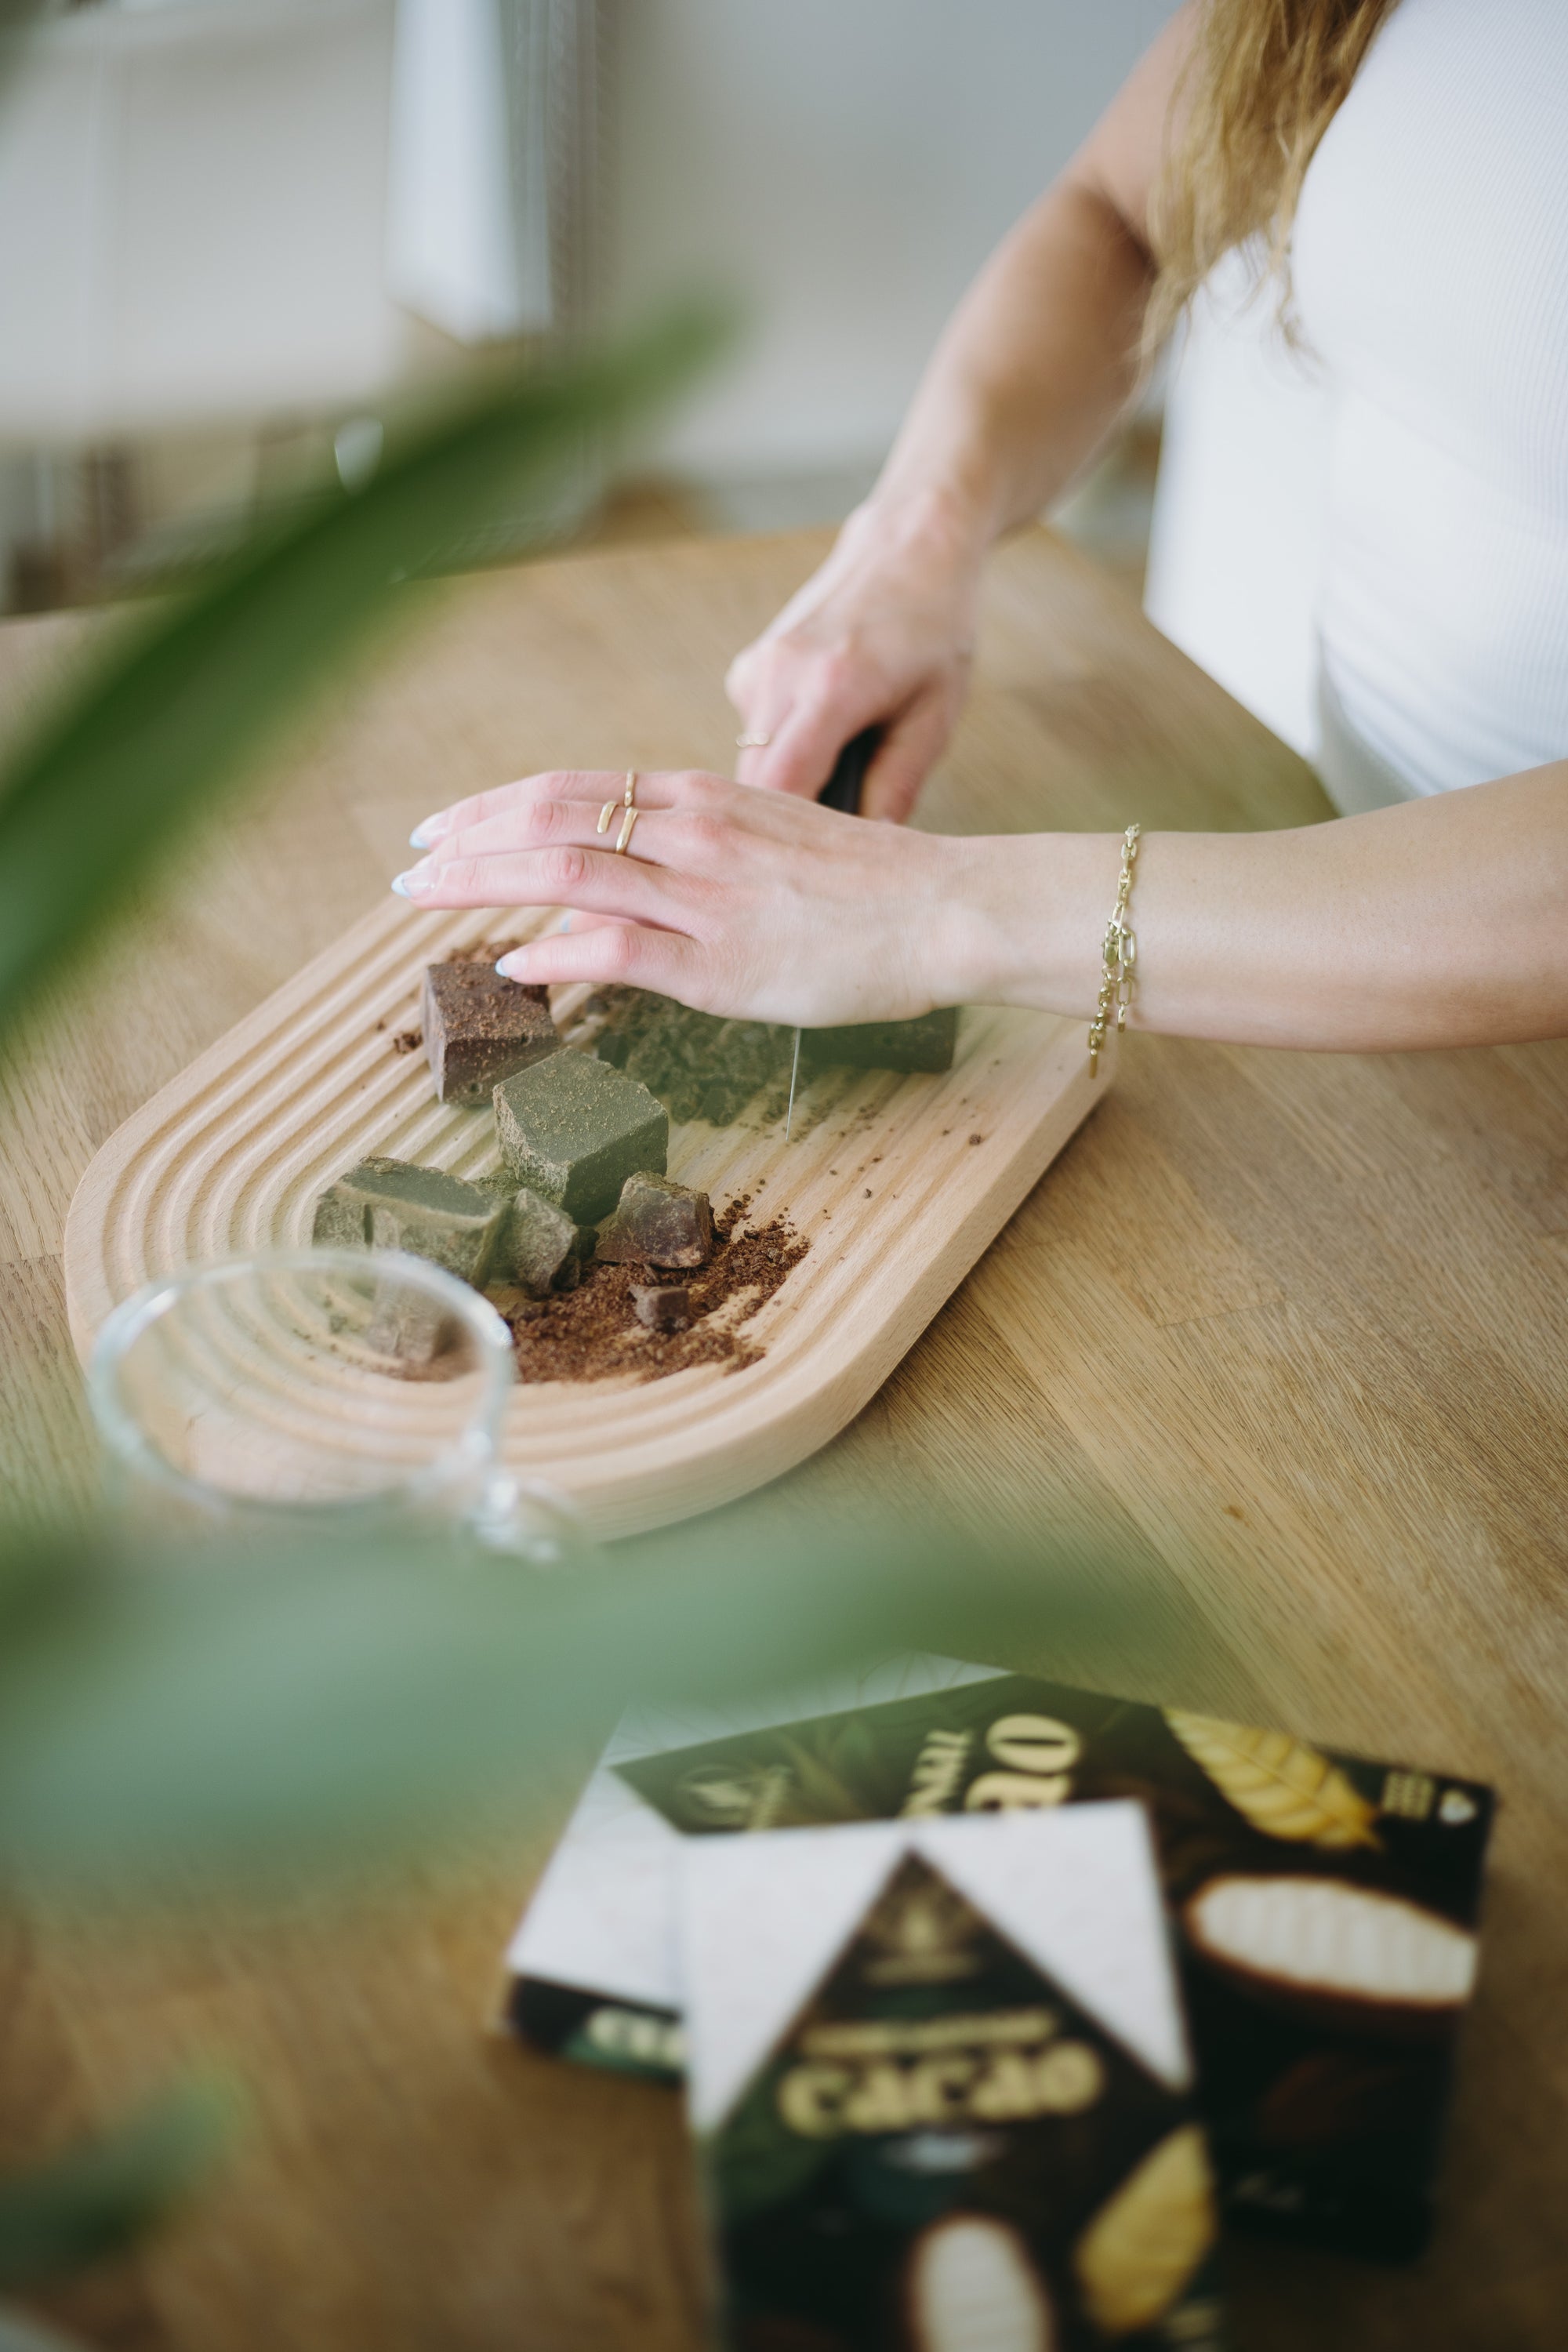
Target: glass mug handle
(531, 1520)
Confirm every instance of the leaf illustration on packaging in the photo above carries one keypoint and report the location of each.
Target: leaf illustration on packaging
(1281, 1786)
(821, 1794)
(1141, 2249)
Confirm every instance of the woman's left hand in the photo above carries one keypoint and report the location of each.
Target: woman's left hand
(755, 905)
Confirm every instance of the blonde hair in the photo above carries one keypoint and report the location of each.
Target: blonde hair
(1263, 80)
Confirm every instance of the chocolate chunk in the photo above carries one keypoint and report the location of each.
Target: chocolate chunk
(391, 1205)
(927, 1043)
(572, 1129)
(479, 1028)
(662, 1307)
(539, 1249)
(657, 1223)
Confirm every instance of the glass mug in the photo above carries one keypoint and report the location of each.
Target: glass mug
(312, 1390)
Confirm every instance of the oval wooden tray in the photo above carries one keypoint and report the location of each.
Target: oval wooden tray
(897, 1182)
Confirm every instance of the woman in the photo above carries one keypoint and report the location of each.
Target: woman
(1399, 170)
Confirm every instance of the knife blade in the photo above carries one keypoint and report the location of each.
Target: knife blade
(842, 791)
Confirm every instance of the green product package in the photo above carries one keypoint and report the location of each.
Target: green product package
(941, 2092)
(1324, 1908)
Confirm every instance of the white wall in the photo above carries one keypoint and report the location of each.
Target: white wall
(192, 219)
(844, 166)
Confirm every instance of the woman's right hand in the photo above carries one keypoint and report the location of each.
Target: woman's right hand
(880, 636)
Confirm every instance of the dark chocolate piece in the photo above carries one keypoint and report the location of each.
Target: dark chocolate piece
(662, 1307)
(926, 1044)
(386, 1203)
(572, 1129)
(479, 1028)
(658, 1221)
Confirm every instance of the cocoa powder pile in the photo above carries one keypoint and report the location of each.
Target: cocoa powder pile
(593, 1332)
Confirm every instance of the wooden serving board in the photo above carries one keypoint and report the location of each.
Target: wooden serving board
(897, 1182)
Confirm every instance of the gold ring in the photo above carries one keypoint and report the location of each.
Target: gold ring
(627, 822)
(752, 742)
(631, 787)
(605, 813)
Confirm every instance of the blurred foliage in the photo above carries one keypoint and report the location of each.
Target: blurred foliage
(237, 1718)
(99, 2197)
(184, 699)
(155, 1710)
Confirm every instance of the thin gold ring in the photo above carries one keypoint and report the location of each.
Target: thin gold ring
(608, 811)
(752, 742)
(627, 822)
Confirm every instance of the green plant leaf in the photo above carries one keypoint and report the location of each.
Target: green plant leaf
(101, 2197)
(246, 1716)
(185, 699)
(20, 2333)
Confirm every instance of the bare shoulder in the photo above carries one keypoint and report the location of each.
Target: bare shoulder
(1120, 159)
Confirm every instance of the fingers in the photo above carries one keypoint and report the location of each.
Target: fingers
(569, 876)
(801, 757)
(694, 841)
(606, 954)
(908, 753)
(654, 788)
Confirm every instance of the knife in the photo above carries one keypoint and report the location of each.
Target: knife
(842, 791)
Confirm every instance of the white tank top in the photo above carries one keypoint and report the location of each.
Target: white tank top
(1430, 260)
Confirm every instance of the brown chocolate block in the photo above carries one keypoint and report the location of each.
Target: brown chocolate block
(479, 1028)
(385, 1203)
(926, 1044)
(572, 1129)
(657, 1223)
(662, 1307)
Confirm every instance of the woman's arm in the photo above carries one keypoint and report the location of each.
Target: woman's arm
(1026, 383)
(1441, 922)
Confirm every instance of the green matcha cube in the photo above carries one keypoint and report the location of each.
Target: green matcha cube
(391, 1205)
(925, 1044)
(541, 1249)
(572, 1129)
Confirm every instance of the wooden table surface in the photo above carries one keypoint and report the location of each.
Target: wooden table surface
(1289, 1330)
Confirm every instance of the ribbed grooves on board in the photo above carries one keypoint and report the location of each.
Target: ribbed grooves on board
(882, 1178)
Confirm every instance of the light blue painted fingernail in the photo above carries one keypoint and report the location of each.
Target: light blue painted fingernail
(430, 830)
(420, 838)
(400, 884)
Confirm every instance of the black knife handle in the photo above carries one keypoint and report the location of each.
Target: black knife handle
(842, 790)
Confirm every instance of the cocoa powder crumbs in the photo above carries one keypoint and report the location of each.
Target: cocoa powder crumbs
(407, 1041)
(593, 1333)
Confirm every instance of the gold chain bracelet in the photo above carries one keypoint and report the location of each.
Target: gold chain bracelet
(1117, 955)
